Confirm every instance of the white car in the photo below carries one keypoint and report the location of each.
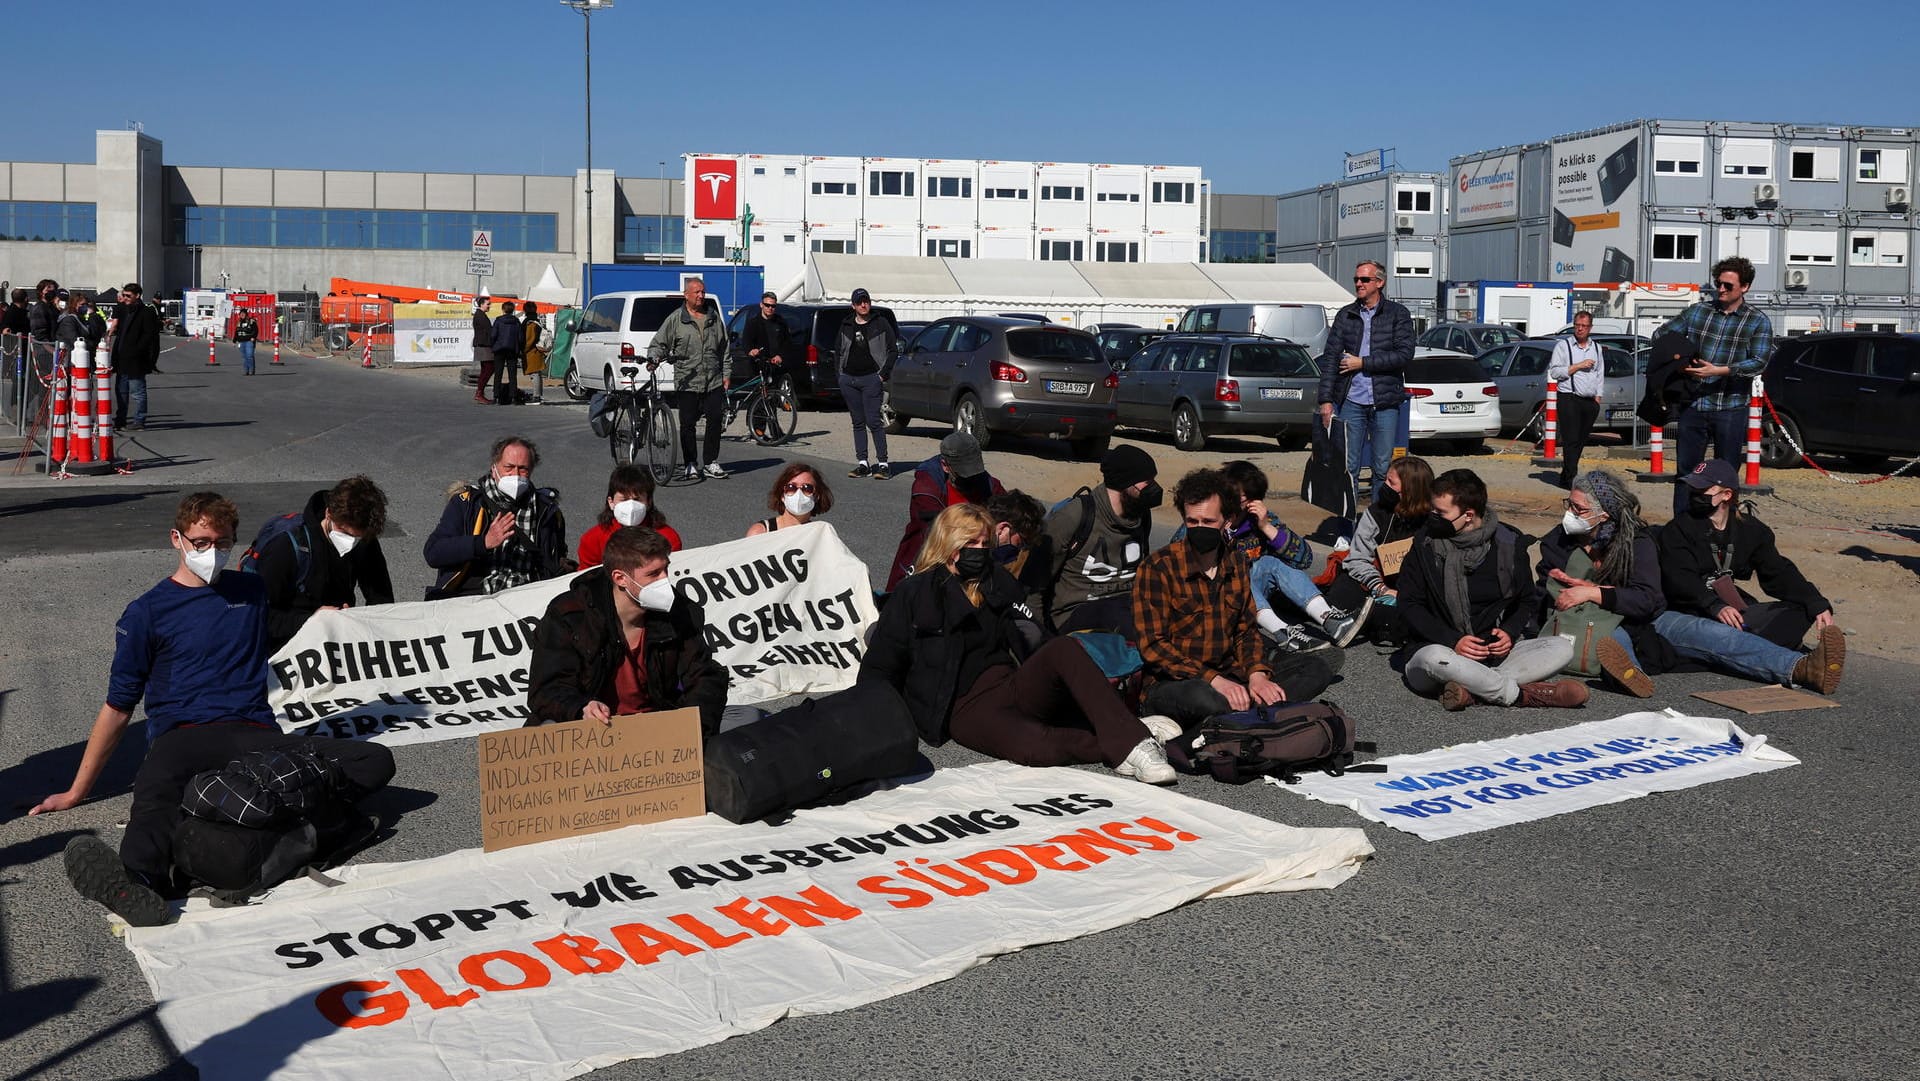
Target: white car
(1452, 399)
(617, 328)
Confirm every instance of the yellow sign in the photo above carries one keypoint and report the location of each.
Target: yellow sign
(1584, 222)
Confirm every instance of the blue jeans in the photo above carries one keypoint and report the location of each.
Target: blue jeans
(1370, 427)
(1728, 430)
(1269, 574)
(246, 357)
(1721, 648)
(131, 392)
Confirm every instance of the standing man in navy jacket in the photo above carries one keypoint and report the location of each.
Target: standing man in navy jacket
(1368, 348)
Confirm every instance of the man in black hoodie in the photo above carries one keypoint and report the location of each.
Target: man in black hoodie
(315, 562)
(136, 355)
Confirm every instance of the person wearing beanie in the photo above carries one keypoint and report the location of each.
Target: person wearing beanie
(958, 474)
(1095, 541)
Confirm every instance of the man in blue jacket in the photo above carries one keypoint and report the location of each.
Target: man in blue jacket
(1368, 348)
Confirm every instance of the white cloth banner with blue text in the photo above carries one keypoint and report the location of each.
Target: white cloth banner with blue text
(1480, 786)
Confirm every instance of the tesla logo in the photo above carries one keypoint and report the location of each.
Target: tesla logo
(714, 192)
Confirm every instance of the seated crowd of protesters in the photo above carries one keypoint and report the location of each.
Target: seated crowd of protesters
(998, 630)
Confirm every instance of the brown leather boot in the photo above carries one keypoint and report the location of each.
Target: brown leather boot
(1821, 670)
(1618, 664)
(1559, 694)
(1454, 697)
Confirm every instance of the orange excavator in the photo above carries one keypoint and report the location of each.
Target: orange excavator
(353, 309)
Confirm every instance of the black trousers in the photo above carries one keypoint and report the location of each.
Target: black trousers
(692, 405)
(1189, 701)
(506, 387)
(148, 847)
(1577, 416)
(1112, 613)
(1057, 709)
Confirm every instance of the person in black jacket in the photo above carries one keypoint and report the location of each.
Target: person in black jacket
(319, 563)
(246, 334)
(136, 355)
(766, 339)
(951, 641)
(1602, 553)
(865, 353)
(501, 531)
(508, 340)
(1471, 609)
(1368, 346)
(620, 641)
(482, 350)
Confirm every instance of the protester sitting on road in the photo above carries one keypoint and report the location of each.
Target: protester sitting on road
(1193, 606)
(1388, 524)
(1277, 559)
(958, 474)
(500, 531)
(621, 641)
(1711, 620)
(1599, 577)
(630, 501)
(1471, 609)
(194, 647)
(798, 496)
(1018, 522)
(950, 641)
(1095, 541)
(314, 560)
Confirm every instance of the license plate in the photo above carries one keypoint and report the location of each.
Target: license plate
(1458, 407)
(1289, 394)
(1057, 386)
(1619, 414)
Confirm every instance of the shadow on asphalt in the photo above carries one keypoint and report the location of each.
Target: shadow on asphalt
(1868, 555)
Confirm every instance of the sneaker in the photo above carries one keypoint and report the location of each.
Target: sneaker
(97, 873)
(1297, 639)
(1618, 664)
(1454, 697)
(686, 473)
(883, 471)
(1342, 625)
(713, 470)
(1148, 763)
(1821, 670)
(1165, 729)
(861, 470)
(1557, 694)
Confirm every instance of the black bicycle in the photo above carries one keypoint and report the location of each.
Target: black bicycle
(642, 428)
(772, 409)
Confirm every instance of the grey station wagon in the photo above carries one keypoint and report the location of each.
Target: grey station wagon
(990, 374)
(1196, 385)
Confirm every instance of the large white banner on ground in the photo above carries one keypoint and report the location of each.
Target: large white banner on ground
(555, 959)
(1480, 786)
(787, 613)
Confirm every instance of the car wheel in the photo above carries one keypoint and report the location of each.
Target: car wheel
(892, 419)
(1777, 439)
(575, 389)
(968, 417)
(1186, 428)
(1091, 448)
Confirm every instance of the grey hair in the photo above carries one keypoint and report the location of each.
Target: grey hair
(1616, 536)
(1378, 268)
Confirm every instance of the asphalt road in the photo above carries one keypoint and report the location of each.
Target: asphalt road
(1757, 927)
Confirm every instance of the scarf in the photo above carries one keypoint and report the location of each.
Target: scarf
(1459, 555)
(516, 562)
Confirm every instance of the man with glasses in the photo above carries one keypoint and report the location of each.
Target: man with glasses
(500, 532)
(1576, 370)
(1734, 341)
(194, 647)
(766, 337)
(136, 355)
(1368, 348)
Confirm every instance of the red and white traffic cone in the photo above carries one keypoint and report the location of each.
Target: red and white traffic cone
(57, 438)
(1658, 446)
(210, 358)
(103, 416)
(366, 352)
(276, 343)
(1550, 445)
(80, 439)
(1753, 436)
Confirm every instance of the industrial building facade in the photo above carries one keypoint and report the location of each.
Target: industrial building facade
(1395, 219)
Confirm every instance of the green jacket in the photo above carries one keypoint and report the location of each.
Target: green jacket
(697, 348)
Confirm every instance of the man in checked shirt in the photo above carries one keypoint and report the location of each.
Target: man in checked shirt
(1735, 340)
(1194, 610)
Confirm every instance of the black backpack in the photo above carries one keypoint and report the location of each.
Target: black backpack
(1282, 740)
(295, 527)
(809, 752)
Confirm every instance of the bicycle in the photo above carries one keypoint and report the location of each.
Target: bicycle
(642, 428)
(773, 410)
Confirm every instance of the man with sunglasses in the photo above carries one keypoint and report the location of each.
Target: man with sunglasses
(1734, 340)
(766, 337)
(1368, 348)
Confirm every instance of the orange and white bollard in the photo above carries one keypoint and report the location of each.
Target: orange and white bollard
(210, 358)
(1550, 445)
(57, 439)
(366, 351)
(104, 405)
(1753, 435)
(276, 342)
(80, 439)
(1658, 446)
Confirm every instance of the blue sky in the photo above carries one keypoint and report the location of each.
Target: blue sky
(1265, 96)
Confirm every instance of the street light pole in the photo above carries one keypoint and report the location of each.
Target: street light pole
(586, 8)
(663, 212)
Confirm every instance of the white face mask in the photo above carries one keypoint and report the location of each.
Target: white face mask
(60, 304)
(512, 486)
(798, 504)
(629, 512)
(656, 596)
(342, 542)
(1574, 525)
(205, 565)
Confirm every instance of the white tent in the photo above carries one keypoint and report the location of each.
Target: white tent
(548, 290)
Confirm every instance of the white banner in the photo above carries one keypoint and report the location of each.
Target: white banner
(1481, 786)
(432, 333)
(555, 959)
(787, 613)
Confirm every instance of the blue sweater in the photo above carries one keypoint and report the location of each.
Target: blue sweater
(194, 653)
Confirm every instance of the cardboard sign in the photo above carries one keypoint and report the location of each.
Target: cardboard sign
(1766, 699)
(566, 780)
(1390, 556)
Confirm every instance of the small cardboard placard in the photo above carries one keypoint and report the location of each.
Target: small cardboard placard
(1391, 555)
(565, 780)
(1766, 699)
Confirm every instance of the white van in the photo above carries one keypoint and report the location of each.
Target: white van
(1302, 324)
(618, 327)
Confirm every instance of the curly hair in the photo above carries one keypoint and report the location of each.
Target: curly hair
(1615, 537)
(359, 503)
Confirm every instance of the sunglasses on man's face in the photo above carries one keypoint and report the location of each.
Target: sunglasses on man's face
(1361, 279)
(1726, 287)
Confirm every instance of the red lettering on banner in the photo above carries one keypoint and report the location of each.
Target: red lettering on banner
(386, 1008)
(646, 944)
(430, 991)
(1178, 834)
(580, 955)
(1000, 865)
(1088, 845)
(716, 940)
(1049, 856)
(757, 920)
(813, 903)
(1147, 841)
(532, 972)
(882, 886)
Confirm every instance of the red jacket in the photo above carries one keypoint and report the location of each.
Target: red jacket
(931, 495)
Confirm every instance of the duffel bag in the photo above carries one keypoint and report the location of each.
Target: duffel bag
(1283, 740)
(804, 754)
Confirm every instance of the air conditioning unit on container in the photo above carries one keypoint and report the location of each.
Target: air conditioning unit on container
(1897, 199)
(1403, 224)
(1797, 278)
(1766, 195)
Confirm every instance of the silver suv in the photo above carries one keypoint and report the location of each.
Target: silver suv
(991, 374)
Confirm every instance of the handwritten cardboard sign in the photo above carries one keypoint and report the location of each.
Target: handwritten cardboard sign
(1766, 699)
(1391, 555)
(565, 780)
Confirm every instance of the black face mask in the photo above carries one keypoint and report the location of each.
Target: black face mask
(1147, 499)
(971, 564)
(1004, 554)
(1204, 541)
(1387, 500)
(1440, 526)
(1700, 504)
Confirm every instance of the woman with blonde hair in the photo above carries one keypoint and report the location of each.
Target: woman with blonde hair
(952, 639)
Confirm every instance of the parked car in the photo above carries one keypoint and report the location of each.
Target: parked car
(992, 374)
(1197, 385)
(615, 327)
(904, 333)
(1451, 398)
(1856, 394)
(1520, 371)
(1119, 343)
(1472, 339)
(815, 331)
(1302, 324)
